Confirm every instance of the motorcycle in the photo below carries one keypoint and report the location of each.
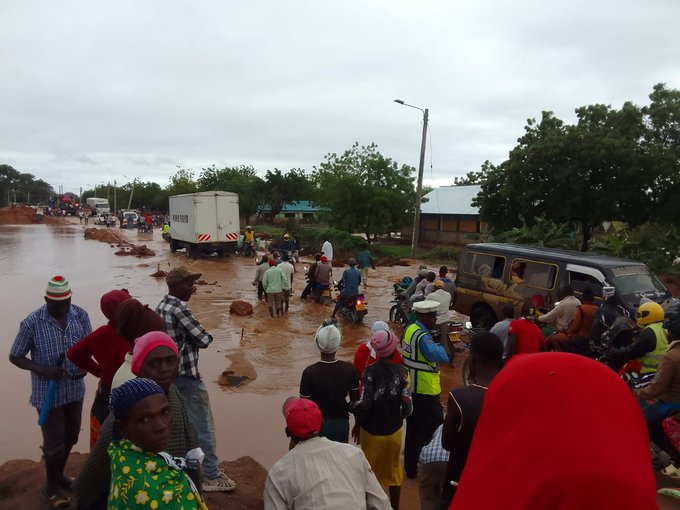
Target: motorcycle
(400, 309)
(459, 338)
(319, 293)
(248, 249)
(352, 307)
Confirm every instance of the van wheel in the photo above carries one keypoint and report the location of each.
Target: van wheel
(483, 317)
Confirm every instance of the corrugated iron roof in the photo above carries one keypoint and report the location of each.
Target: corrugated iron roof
(451, 200)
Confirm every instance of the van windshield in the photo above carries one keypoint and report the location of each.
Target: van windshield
(635, 282)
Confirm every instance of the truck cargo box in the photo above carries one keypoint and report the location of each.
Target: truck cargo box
(205, 222)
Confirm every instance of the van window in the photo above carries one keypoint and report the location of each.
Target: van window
(484, 264)
(533, 274)
(635, 282)
(579, 281)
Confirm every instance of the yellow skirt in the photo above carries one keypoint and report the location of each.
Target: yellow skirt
(382, 453)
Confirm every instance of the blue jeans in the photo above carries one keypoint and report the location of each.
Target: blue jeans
(198, 408)
(655, 414)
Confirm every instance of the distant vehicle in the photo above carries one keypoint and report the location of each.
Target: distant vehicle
(206, 222)
(99, 205)
(130, 219)
(101, 219)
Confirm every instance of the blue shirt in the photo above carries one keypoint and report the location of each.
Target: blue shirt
(41, 335)
(434, 451)
(365, 260)
(431, 349)
(351, 277)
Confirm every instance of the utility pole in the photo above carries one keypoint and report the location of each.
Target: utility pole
(132, 190)
(419, 188)
(115, 207)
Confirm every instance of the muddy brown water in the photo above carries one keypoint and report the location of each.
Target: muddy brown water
(271, 352)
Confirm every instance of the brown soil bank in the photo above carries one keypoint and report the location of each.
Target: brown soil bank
(23, 216)
(20, 481)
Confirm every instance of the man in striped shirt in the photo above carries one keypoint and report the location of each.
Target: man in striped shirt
(190, 336)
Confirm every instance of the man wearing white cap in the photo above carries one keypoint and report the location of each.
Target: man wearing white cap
(421, 356)
(329, 382)
(47, 333)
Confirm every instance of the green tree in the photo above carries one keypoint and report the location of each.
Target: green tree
(662, 145)
(182, 182)
(284, 188)
(242, 180)
(586, 173)
(23, 186)
(365, 191)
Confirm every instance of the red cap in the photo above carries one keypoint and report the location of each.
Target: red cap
(272, 262)
(324, 259)
(303, 417)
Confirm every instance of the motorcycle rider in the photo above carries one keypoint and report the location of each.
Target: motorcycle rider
(249, 239)
(311, 277)
(286, 245)
(665, 388)
(349, 283)
(648, 345)
(323, 274)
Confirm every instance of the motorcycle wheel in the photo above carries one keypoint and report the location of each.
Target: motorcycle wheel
(398, 316)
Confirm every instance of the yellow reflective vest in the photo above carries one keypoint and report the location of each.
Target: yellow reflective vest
(650, 360)
(249, 236)
(424, 374)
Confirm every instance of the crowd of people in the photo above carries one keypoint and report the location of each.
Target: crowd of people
(532, 429)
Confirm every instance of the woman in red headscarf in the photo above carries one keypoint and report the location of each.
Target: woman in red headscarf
(561, 432)
(101, 353)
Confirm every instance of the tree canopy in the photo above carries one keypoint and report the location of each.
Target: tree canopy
(610, 165)
(16, 186)
(364, 191)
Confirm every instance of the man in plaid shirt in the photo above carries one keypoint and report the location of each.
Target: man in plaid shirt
(191, 336)
(46, 334)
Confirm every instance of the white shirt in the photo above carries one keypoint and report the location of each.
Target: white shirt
(500, 329)
(288, 271)
(323, 474)
(444, 299)
(327, 250)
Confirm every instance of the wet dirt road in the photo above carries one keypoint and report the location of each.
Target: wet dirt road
(271, 352)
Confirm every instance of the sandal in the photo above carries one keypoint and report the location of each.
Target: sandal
(56, 500)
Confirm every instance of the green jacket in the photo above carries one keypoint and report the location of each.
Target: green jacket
(274, 281)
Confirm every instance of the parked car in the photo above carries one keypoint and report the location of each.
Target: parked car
(492, 274)
(101, 219)
(130, 220)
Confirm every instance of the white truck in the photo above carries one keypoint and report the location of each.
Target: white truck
(99, 205)
(204, 223)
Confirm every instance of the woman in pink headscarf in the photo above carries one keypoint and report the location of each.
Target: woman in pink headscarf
(561, 432)
(101, 353)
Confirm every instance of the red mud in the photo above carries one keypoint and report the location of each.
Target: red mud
(116, 239)
(25, 216)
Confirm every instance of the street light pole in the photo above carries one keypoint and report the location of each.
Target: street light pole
(419, 187)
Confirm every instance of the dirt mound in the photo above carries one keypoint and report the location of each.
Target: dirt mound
(106, 235)
(136, 251)
(115, 239)
(20, 480)
(24, 216)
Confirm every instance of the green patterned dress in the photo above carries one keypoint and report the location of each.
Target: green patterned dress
(148, 480)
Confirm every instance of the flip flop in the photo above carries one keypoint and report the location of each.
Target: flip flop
(56, 500)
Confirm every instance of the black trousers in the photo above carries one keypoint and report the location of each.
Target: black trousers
(60, 431)
(427, 415)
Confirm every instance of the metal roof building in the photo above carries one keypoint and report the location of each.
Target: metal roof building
(448, 216)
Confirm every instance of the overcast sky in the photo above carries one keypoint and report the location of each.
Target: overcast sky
(93, 91)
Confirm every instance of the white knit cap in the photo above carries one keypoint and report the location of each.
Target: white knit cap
(328, 339)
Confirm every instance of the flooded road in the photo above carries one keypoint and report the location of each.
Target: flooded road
(271, 352)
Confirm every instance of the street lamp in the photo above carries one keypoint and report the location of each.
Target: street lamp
(419, 187)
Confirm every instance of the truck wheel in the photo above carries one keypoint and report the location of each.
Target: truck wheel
(190, 251)
(173, 246)
(483, 317)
